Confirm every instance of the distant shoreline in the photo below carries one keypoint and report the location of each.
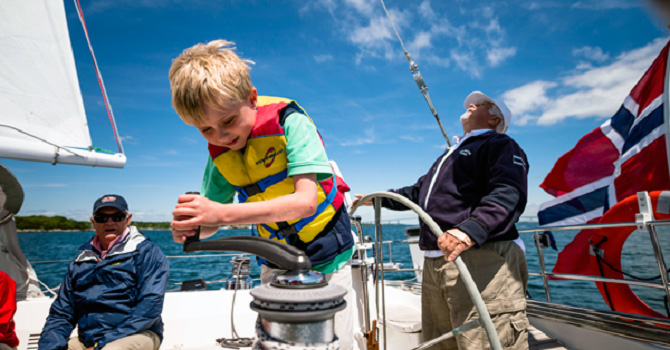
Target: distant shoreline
(222, 228)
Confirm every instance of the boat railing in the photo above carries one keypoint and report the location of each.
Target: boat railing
(54, 290)
(648, 226)
(484, 319)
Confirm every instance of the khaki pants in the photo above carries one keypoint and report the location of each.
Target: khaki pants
(344, 320)
(4, 346)
(145, 340)
(499, 269)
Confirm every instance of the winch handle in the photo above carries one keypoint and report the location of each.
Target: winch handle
(196, 236)
(283, 255)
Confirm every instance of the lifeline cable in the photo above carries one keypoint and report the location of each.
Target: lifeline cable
(108, 106)
(416, 74)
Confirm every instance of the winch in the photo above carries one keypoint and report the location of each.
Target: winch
(297, 309)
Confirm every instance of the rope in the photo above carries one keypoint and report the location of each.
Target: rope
(416, 74)
(600, 260)
(595, 247)
(236, 342)
(52, 291)
(108, 106)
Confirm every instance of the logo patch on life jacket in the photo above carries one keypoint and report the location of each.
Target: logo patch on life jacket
(269, 157)
(465, 152)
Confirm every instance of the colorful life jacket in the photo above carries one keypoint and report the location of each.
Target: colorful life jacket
(259, 173)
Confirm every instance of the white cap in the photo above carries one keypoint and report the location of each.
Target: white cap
(477, 97)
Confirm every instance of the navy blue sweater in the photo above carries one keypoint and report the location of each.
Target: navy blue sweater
(480, 189)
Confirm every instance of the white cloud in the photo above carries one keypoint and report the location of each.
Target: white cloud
(591, 53)
(426, 11)
(421, 41)
(585, 4)
(593, 92)
(606, 4)
(498, 54)
(370, 137)
(528, 98)
(428, 35)
(94, 7)
(191, 140)
(323, 58)
(128, 139)
(373, 39)
(523, 119)
(366, 7)
(493, 28)
(327, 5)
(412, 138)
(466, 62)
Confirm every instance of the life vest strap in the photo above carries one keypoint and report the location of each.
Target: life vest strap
(295, 228)
(244, 192)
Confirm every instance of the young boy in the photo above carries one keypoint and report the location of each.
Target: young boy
(268, 151)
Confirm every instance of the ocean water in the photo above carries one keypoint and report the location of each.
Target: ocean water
(50, 253)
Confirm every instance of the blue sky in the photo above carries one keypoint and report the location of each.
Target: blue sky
(563, 67)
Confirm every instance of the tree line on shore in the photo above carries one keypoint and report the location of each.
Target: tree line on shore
(61, 223)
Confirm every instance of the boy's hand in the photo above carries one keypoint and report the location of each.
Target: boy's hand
(193, 211)
(358, 198)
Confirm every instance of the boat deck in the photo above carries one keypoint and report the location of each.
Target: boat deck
(538, 340)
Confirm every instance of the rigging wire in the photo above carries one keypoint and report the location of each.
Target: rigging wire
(416, 74)
(42, 140)
(108, 106)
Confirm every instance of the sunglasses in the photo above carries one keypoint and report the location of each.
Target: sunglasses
(102, 218)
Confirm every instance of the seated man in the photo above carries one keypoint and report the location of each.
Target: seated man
(113, 290)
(8, 339)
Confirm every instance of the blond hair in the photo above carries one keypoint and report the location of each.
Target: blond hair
(211, 74)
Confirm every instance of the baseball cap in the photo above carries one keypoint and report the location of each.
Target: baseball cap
(477, 97)
(110, 200)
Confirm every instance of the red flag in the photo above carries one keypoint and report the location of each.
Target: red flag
(626, 154)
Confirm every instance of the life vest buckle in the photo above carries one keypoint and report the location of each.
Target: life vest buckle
(252, 190)
(291, 230)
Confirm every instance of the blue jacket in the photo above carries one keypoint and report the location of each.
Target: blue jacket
(481, 189)
(109, 299)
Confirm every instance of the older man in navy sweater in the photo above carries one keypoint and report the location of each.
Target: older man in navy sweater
(475, 192)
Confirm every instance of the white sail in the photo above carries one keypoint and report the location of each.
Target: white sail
(42, 116)
(12, 260)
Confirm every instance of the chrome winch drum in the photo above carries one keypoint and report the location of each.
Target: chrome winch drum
(299, 307)
(239, 279)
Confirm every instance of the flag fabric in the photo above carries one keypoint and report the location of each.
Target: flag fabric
(626, 154)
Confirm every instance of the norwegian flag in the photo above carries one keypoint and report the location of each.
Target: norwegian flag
(626, 154)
